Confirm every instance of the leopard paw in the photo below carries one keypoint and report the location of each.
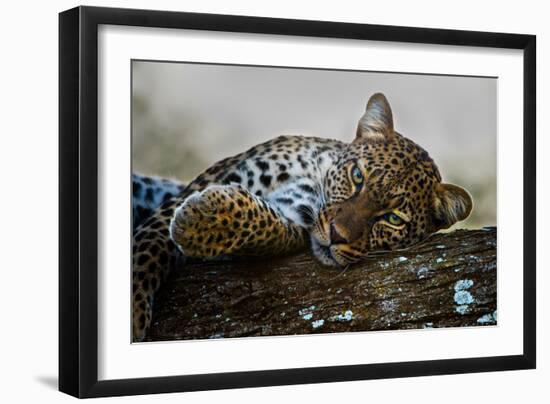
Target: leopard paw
(214, 222)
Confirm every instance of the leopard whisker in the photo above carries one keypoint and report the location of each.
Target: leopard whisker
(340, 273)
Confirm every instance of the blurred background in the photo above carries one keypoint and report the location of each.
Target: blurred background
(186, 117)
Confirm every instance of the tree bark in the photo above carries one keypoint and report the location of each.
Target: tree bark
(447, 281)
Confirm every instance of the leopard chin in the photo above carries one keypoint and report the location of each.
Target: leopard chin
(323, 254)
(332, 255)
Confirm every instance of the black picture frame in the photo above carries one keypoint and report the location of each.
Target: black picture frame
(78, 196)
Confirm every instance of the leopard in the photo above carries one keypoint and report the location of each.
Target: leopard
(341, 201)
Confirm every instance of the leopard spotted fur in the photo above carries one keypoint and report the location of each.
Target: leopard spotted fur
(343, 200)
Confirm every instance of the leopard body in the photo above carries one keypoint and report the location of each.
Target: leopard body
(343, 200)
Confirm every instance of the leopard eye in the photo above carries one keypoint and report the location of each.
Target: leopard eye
(393, 219)
(356, 175)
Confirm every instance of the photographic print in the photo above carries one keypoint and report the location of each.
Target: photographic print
(273, 201)
(291, 201)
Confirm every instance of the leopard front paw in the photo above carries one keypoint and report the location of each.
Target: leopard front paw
(214, 222)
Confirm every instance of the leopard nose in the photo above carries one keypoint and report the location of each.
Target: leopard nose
(335, 237)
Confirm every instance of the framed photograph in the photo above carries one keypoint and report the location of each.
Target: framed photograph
(251, 201)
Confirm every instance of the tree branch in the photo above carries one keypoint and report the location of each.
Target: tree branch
(447, 281)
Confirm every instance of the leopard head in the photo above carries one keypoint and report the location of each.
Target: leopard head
(384, 193)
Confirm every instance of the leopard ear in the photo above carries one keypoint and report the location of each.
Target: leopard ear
(377, 121)
(451, 204)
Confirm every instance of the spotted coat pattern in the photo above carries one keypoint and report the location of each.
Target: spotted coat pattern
(344, 200)
(148, 193)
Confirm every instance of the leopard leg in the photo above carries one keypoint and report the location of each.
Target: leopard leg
(222, 220)
(154, 254)
(228, 220)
